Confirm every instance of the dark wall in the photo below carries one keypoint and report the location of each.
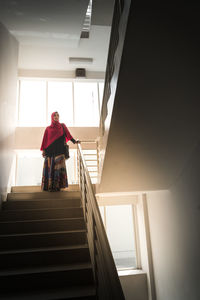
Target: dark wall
(155, 123)
(154, 138)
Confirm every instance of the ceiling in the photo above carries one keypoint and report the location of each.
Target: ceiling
(44, 22)
(49, 32)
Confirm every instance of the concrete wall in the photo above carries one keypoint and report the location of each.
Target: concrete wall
(134, 286)
(154, 139)
(155, 123)
(8, 87)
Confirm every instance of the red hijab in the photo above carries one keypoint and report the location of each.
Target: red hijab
(53, 132)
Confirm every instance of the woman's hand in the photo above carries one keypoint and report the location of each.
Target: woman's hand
(78, 142)
(43, 153)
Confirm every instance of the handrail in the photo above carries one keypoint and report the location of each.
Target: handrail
(107, 282)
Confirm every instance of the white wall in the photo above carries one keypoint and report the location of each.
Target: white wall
(8, 86)
(174, 218)
(134, 286)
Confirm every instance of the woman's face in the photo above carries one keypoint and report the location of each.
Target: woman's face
(56, 117)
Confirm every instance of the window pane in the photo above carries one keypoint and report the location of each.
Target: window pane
(32, 105)
(60, 99)
(101, 91)
(86, 104)
(29, 167)
(120, 231)
(71, 165)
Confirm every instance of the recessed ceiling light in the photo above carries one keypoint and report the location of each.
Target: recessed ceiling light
(87, 22)
(80, 60)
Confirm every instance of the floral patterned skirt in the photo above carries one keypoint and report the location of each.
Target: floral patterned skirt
(54, 175)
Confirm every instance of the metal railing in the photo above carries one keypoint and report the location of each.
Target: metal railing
(107, 282)
(92, 159)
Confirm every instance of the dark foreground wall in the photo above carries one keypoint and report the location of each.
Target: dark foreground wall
(155, 124)
(154, 138)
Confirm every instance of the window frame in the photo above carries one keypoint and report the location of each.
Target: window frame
(135, 229)
(47, 80)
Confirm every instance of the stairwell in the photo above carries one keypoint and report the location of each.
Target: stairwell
(44, 251)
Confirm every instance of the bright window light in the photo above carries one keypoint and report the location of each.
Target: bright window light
(60, 99)
(71, 165)
(32, 105)
(101, 90)
(29, 167)
(120, 231)
(86, 104)
(78, 103)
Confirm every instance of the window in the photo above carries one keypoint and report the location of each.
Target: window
(119, 226)
(32, 160)
(71, 165)
(101, 90)
(29, 167)
(78, 103)
(60, 99)
(32, 105)
(86, 104)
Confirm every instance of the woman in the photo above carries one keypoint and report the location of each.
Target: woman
(54, 176)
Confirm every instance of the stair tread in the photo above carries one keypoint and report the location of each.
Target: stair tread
(78, 263)
(42, 233)
(53, 294)
(42, 220)
(60, 193)
(44, 269)
(41, 199)
(39, 249)
(39, 209)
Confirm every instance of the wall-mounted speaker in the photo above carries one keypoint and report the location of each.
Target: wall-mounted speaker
(80, 72)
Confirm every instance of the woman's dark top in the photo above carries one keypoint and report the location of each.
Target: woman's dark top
(57, 147)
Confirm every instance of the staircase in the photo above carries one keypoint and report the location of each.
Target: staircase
(44, 251)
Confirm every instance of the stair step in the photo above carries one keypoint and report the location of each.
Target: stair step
(40, 278)
(37, 188)
(44, 269)
(46, 256)
(42, 239)
(31, 214)
(40, 203)
(44, 195)
(81, 292)
(9, 227)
